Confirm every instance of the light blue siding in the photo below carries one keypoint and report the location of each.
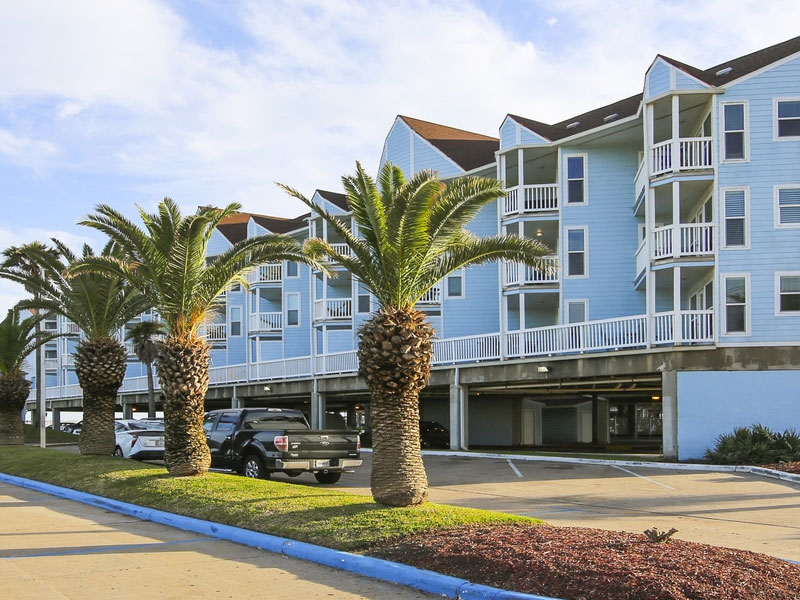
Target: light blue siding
(528, 138)
(612, 235)
(771, 163)
(297, 340)
(427, 156)
(508, 134)
(217, 244)
(684, 82)
(397, 149)
(712, 403)
(659, 79)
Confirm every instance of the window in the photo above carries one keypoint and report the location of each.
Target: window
(577, 311)
(208, 422)
(576, 252)
(363, 304)
(236, 287)
(293, 309)
(735, 233)
(787, 297)
(736, 317)
(734, 138)
(51, 351)
(227, 422)
(455, 284)
(787, 206)
(576, 180)
(292, 269)
(788, 118)
(236, 321)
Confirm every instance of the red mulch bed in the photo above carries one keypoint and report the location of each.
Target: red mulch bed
(593, 564)
(789, 467)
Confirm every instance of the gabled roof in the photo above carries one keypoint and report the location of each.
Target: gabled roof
(335, 198)
(234, 227)
(739, 67)
(583, 122)
(281, 224)
(467, 149)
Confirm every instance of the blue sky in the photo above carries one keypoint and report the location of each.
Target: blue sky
(210, 102)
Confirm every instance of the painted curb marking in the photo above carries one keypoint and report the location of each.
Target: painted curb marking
(375, 568)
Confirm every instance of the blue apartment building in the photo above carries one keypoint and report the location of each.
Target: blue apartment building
(671, 313)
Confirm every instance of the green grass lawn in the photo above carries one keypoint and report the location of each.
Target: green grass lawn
(31, 434)
(322, 516)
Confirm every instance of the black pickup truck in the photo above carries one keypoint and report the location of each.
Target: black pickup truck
(259, 441)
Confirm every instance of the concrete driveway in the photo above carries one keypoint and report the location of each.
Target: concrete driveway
(54, 549)
(726, 509)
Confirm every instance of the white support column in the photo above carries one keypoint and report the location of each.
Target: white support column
(677, 330)
(669, 410)
(520, 180)
(676, 219)
(317, 408)
(648, 135)
(676, 133)
(651, 306)
(459, 414)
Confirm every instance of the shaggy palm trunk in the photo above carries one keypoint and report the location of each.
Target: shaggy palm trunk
(395, 354)
(14, 390)
(100, 366)
(182, 369)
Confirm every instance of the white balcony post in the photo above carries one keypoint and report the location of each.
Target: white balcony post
(677, 326)
(676, 133)
(521, 181)
(676, 219)
(651, 306)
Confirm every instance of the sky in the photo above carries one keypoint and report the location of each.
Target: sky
(211, 102)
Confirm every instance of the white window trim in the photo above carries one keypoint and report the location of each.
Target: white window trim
(746, 131)
(747, 305)
(565, 162)
(776, 208)
(585, 302)
(356, 285)
(722, 193)
(230, 321)
(775, 137)
(286, 267)
(299, 310)
(565, 261)
(446, 291)
(778, 311)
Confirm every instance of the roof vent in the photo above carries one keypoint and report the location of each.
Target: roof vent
(725, 71)
(573, 125)
(610, 117)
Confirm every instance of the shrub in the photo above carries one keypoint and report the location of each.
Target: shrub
(755, 445)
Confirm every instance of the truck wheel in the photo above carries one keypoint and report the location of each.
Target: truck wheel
(293, 473)
(328, 476)
(254, 467)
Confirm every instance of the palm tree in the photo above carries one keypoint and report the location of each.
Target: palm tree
(146, 349)
(17, 340)
(411, 235)
(100, 304)
(167, 261)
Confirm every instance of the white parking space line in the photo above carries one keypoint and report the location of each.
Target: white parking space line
(513, 467)
(669, 487)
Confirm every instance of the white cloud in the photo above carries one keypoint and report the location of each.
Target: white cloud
(551, 21)
(24, 149)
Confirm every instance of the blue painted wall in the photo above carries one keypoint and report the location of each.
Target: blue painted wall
(712, 403)
(684, 82)
(508, 134)
(397, 149)
(659, 79)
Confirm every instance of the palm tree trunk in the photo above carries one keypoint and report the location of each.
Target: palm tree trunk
(151, 394)
(182, 368)
(100, 365)
(14, 390)
(395, 359)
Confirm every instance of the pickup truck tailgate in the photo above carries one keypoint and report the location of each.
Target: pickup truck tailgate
(323, 444)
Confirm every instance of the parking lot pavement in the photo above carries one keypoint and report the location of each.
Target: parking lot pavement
(726, 509)
(51, 548)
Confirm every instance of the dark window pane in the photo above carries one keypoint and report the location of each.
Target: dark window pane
(292, 317)
(789, 127)
(575, 167)
(575, 240)
(790, 284)
(236, 328)
(734, 232)
(735, 290)
(575, 191)
(291, 269)
(735, 319)
(790, 302)
(734, 145)
(454, 287)
(734, 117)
(576, 263)
(363, 304)
(789, 109)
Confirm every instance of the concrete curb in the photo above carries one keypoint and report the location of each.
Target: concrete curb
(375, 568)
(772, 473)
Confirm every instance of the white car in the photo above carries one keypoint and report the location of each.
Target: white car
(139, 439)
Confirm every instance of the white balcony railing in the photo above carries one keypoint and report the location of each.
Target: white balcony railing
(520, 274)
(337, 362)
(214, 332)
(268, 273)
(694, 239)
(333, 308)
(286, 368)
(266, 321)
(467, 349)
(693, 326)
(432, 296)
(70, 328)
(50, 364)
(694, 153)
(68, 360)
(640, 181)
(534, 198)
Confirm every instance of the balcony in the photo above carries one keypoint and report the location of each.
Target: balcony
(692, 326)
(531, 199)
(214, 332)
(694, 154)
(70, 328)
(266, 321)
(50, 364)
(642, 257)
(68, 360)
(269, 273)
(520, 274)
(432, 296)
(692, 239)
(333, 308)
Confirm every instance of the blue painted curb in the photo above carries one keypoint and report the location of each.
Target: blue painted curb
(376, 568)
